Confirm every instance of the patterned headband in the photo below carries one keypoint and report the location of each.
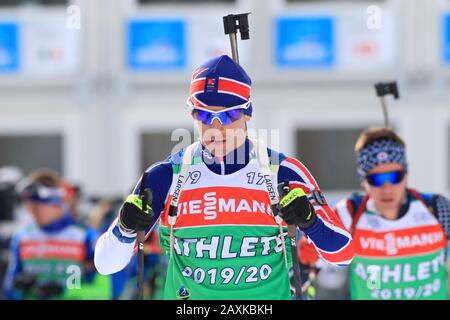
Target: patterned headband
(379, 152)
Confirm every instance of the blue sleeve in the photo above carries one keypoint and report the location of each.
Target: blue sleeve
(441, 206)
(329, 236)
(159, 180)
(285, 173)
(119, 282)
(14, 268)
(325, 237)
(275, 157)
(428, 198)
(91, 238)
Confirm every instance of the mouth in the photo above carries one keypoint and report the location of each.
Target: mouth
(214, 140)
(387, 200)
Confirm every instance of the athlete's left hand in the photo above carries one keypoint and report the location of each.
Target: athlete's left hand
(295, 209)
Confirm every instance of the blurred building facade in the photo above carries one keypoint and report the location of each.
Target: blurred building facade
(96, 88)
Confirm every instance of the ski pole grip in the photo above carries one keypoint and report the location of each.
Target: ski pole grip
(172, 211)
(292, 231)
(284, 189)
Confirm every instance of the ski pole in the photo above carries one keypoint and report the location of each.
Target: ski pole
(146, 196)
(232, 23)
(383, 89)
(292, 233)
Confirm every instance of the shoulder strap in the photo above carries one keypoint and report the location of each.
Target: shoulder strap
(262, 156)
(182, 177)
(264, 164)
(358, 210)
(420, 197)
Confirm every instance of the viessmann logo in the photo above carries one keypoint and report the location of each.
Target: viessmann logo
(51, 249)
(211, 205)
(392, 244)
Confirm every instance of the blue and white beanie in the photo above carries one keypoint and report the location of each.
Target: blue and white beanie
(379, 152)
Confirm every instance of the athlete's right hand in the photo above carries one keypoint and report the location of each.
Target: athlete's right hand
(25, 282)
(132, 218)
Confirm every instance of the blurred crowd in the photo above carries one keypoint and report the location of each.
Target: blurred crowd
(48, 231)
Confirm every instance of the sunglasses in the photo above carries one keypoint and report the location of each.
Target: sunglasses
(378, 179)
(42, 194)
(225, 117)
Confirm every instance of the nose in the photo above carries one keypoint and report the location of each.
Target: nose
(387, 185)
(216, 124)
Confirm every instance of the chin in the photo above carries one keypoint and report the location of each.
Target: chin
(390, 205)
(41, 223)
(216, 145)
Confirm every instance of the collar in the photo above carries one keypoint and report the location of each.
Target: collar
(59, 224)
(232, 162)
(404, 207)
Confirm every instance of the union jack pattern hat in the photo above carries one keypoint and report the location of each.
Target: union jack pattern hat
(221, 82)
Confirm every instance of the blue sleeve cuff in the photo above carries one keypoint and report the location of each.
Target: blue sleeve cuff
(314, 228)
(124, 239)
(326, 238)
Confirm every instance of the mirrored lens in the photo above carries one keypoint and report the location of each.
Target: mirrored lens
(225, 117)
(379, 179)
(235, 114)
(200, 115)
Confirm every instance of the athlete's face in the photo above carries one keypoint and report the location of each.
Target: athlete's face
(44, 214)
(387, 197)
(221, 139)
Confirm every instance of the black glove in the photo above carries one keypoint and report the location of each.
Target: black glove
(28, 284)
(295, 209)
(25, 282)
(49, 290)
(132, 218)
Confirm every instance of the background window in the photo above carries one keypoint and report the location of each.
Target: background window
(448, 157)
(185, 1)
(41, 2)
(32, 152)
(333, 1)
(157, 146)
(329, 155)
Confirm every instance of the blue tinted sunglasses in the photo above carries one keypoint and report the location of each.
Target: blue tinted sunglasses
(378, 179)
(42, 194)
(225, 117)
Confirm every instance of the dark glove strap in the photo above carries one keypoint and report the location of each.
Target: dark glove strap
(310, 222)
